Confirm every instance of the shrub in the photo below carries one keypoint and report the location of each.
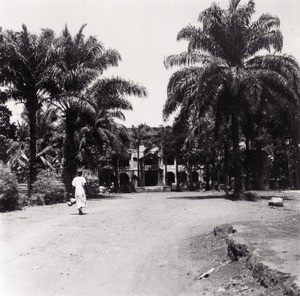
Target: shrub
(24, 201)
(47, 190)
(92, 186)
(9, 195)
(38, 199)
(251, 196)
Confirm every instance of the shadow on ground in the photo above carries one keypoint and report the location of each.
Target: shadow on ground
(198, 197)
(108, 197)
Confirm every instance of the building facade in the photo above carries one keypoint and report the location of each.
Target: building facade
(148, 168)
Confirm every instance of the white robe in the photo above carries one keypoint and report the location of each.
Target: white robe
(78, 183)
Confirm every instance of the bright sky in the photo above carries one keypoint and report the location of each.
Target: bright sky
(143, 31)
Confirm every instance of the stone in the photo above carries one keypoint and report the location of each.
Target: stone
(276, 201)
(224, 230)
(237, 250)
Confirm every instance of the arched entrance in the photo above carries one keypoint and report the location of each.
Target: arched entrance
(195, 176)
(124, 183)
(124, 179)
(151, 170)
(151, 178)
(170, 178)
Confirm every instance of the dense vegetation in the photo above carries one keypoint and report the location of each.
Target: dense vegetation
(67, 102)
(9, 196)
(229, 86)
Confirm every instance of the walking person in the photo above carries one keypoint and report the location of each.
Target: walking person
(79, 183)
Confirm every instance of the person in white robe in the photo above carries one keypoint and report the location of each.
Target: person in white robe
(79, 183)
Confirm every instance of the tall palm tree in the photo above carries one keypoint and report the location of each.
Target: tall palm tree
(224, 72)
(24, 62)
(80, 62)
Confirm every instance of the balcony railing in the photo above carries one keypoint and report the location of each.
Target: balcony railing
(151, 167)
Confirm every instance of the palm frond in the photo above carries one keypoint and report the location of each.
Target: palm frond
(79, 36)
(190, 58)
(200, 40)
(109, 58)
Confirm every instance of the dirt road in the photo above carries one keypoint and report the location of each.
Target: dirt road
(130, 245)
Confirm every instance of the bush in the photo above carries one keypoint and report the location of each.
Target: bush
(38, 199)
(9, 195)
(251, 196)
(92, 186)
(47, 190)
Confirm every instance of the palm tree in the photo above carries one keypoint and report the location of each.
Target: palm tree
(80, 62)
(24, 62)
(224, 72)
(105, 102)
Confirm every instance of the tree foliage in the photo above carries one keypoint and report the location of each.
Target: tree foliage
(224, 73)
(24, 62)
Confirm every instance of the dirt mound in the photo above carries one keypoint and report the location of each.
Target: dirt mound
(234, 268)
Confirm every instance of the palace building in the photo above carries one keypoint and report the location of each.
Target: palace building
(154, 171)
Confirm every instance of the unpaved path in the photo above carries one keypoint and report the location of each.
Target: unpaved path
(135, 244)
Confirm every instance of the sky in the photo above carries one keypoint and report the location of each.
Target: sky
(143, 31)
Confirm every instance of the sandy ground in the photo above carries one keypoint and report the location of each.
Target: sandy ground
(133, 244)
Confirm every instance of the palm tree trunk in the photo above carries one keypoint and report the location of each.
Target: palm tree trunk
(116, 170)
(247, 164)
(238, 181)
(69, 170)
(296, 140)
(176, 170)
(218, 174)
(166, 170)
(207, 186)
(189, 176)
(32, 110)
(226, 167)
(138, 164)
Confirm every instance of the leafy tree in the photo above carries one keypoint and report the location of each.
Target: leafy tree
(225, 73)
(24, 62)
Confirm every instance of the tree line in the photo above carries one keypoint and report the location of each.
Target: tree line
(62, 77)
(228, 87)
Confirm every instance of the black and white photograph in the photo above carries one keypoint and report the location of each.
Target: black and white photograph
(149, 147)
